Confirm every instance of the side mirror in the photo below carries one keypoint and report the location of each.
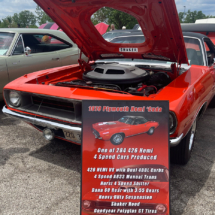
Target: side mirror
(27, 51)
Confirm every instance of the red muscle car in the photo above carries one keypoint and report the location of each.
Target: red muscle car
(152, 183)
(169, 65)
(127, 126)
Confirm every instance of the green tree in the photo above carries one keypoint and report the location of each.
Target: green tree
(25, 18)
(192, 16)
(8, 22)
(42, 17)
(181, 16)
(112, 16)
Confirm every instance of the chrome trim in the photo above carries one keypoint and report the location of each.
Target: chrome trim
(14, 47)
(40, 122)
(176, 141)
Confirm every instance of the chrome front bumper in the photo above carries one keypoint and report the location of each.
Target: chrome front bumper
(58, 125)
(42, 122)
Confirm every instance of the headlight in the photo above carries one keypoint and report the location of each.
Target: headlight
(172, 122)
(161, 208)
(15, 98)
(86, 204)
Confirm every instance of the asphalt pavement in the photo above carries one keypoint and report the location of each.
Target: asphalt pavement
(43, 178)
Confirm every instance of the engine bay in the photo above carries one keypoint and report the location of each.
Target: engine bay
(120, 78)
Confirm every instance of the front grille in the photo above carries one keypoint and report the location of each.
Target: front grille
(61, 105)
(63, 109)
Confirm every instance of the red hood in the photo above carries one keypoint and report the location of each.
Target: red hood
(158, 19)
(101, 126)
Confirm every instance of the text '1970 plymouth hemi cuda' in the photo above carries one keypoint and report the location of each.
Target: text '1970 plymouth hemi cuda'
(166, 66)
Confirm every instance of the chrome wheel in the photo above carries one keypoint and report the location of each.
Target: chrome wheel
(150, 131)
(192, 136)
(117, 138)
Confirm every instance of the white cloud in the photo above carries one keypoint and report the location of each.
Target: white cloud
(8, 8)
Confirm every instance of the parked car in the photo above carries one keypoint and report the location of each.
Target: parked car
(120, 181)
(58, 50)
(131, 38)
(207, 29)
(51, 100)
(126, 126)
(111, 34)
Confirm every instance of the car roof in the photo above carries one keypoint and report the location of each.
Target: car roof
(27, 30)
(198, 27)
(135, 117)
(125, 30)
(189, 34)
(57, 33)
(192, 34)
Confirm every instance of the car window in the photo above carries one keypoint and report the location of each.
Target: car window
(194, 51)
(19, 48)
(126, 120)
(40, 43)
(5, 42)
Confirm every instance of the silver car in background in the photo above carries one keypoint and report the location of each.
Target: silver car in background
(28, 50)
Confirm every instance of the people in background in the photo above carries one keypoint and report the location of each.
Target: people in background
(112, 27)
(123, 27)
(46, 39)
(18, 25)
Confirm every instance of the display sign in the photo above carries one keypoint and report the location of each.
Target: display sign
(125, 157)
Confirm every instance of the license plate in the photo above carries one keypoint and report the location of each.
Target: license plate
(73, 136)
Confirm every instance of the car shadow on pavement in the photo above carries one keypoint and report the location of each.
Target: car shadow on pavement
(61, 153)
(190, 184)
(5, 154)
(5, 120)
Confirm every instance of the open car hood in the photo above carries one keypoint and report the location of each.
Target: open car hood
(157, 18)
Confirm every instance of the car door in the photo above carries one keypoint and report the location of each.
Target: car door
(40, 58)
(210, 53)
(140, 126)
(71, 55)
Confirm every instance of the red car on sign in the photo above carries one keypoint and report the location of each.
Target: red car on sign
(126, 126)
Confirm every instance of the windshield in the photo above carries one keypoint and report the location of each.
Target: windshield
(111, 35)
(131, 39)
(193, 48)
(5, 42)
(126, 120)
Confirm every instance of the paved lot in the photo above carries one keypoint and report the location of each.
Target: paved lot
(40, 177)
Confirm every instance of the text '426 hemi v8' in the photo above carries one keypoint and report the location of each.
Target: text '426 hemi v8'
(166, 66)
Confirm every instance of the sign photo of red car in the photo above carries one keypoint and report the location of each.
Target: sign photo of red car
(127, 126)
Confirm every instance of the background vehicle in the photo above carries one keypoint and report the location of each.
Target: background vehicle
(207, 29)
(126, 126)
(14, 62)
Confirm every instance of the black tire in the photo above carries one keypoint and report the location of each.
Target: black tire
(181, 153)
(117, 139)
(151, 131)
(212, 103)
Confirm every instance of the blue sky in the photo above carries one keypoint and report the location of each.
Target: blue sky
(9, 7)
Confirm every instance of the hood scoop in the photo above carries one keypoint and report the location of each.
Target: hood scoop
(116, 73)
